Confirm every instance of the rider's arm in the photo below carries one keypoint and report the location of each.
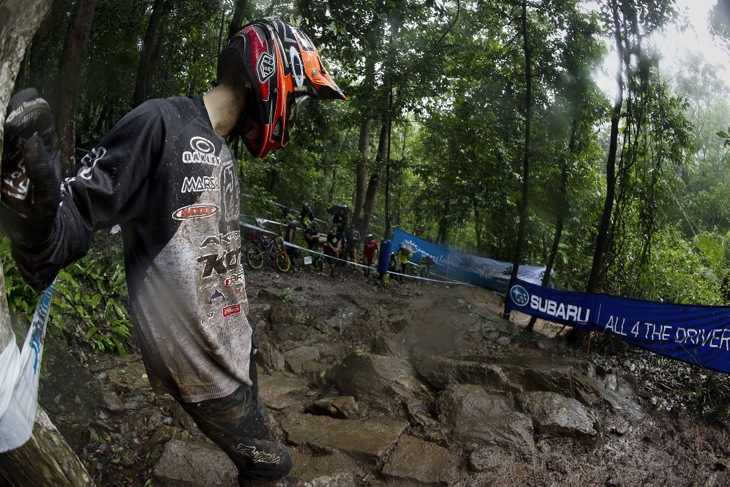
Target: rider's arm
(107, 189)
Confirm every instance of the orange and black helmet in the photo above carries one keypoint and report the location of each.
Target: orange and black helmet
(283, 69)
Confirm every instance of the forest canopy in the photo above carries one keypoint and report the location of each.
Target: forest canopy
(483, 126)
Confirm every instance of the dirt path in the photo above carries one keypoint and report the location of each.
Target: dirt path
(686, 408)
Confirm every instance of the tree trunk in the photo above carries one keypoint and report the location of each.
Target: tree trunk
(68, 82)
(19, 24)
(237, 20)
(150, 51)
(46, 459)
(361, 171)
(375, 176)
(389, 130)
(526, 153)
(562, 210)
(363, 147)
(602, 237)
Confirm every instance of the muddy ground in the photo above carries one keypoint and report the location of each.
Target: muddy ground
(119, 427)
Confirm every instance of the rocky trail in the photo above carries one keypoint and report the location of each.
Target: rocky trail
(377, 384)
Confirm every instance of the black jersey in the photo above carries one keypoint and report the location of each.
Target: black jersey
(170, 182)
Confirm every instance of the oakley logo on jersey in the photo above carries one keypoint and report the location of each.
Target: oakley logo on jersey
(203, 152)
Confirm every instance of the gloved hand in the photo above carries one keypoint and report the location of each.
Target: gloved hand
(30, 189)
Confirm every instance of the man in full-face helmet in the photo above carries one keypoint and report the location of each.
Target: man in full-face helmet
(166, 175)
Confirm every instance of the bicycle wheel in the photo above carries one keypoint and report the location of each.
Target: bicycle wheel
(255, 258)
(282, 262)
(279, 244)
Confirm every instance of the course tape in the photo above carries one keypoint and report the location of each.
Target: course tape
(347, 262)
(19, 375)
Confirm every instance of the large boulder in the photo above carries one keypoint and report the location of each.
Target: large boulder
(190, 463)
(556, 415)
(417, 462)
(365, 376)
(475, 415)
(367, 439)
(517, 375)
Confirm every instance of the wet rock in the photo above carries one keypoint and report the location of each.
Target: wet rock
(428, 335)
(384, 345)
(303, 360)
(477, 416)
(188, 463)
(334, 469)
(440, 371)
(556, 415)
(414, 461)
(528, 374)
(617, 393)
(367, 439)
(541, 373)
(278, 388)
(344, 318)
(287, 314)
(492, 323)
(503, 341)
(270, 358)
(329, 351)
(340, 407)
(155, 445)
(365, 375)
(266, 295)
(418, 412)
(491, 459)
(112, 401)
(622, 396)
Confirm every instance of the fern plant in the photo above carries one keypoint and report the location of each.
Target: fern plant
(88, 303)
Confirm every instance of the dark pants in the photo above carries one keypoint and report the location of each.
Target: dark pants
(239, 425)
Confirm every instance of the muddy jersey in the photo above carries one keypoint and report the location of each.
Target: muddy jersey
(171, 183)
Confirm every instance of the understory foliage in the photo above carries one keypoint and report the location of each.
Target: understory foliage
(89, 300)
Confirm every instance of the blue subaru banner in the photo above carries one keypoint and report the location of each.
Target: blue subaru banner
(421, 248)
(698, 335)
(489, 273)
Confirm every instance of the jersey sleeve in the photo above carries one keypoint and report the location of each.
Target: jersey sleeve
(108, 188)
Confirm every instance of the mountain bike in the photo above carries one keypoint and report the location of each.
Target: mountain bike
(268, 248)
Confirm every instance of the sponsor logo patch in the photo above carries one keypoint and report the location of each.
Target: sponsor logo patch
(195, 211)
(233, 309)
(203, 152)
(216, 297)
(234, 279)
(226, 238)
(265, 67)
(221, 263)
(520, 295)
(198, 184)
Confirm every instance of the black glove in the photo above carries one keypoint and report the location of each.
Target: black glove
(30, 189)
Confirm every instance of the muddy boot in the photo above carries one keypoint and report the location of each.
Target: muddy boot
(237, 425)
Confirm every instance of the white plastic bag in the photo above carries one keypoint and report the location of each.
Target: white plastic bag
(19, 375)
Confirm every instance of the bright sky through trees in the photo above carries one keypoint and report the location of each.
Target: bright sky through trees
(677, 42)
(690, 34)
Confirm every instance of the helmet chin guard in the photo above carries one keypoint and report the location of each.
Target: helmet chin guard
(283, 69)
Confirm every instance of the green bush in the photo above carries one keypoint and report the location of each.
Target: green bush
(89, 299)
